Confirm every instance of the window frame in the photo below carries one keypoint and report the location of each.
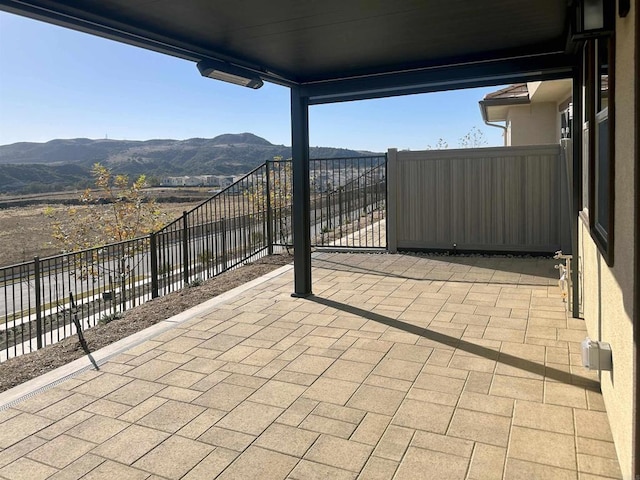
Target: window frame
(595, 119)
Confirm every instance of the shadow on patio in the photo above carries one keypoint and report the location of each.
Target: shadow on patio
(400, 366)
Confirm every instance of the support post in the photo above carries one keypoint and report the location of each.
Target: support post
(301, 194)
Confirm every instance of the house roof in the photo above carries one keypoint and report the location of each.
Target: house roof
(494, 105)
(330, 46)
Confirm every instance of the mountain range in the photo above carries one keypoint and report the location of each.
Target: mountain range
(59, 164)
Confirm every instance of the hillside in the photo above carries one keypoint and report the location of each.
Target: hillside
(33, 167)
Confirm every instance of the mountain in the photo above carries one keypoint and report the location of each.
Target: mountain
(66, 163)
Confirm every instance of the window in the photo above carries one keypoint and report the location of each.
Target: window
(598, 152)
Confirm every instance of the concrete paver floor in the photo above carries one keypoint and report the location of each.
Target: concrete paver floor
(399, 366)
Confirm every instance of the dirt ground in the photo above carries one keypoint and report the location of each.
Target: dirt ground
(27, 231)
(20, 369)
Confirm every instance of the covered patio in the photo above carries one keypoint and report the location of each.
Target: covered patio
(399, 366)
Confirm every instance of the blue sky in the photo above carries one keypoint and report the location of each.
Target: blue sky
(57, 83)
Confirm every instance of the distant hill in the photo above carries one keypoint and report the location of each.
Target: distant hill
(33, 167)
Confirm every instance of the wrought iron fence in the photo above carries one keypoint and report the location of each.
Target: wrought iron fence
(46, 300)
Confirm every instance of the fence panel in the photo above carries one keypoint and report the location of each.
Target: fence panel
(486, 199)
(348, 202)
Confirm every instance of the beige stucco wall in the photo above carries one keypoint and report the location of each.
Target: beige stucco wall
(533, 124)
(608, 293)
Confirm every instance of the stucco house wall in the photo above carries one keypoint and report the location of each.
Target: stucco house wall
(533, 124)
(608, 292)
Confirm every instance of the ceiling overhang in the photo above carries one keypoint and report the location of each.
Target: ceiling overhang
(335, 50)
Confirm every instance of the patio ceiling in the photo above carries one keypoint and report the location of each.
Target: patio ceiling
(404, 46)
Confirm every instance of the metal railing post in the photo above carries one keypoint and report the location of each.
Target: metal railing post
(36, 274)
(185, 247)
(224, 244)
(269, 211)
(153, 250)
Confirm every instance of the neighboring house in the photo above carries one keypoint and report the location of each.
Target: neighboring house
(534, 113)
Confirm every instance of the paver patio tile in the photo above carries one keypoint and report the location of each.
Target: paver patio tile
(181, 344)
(478, 382)
(605, 467)
(371, 357)
(130, 444)
(371, 428)
(487, 462)
(394, 443)
(61, 451)
(244, 380)
(306, 470)
(181, 378)
(539, 446)
(109, 470)
(19, 449)
(420, 464)
(442, 443)
(176, 357)
(468, 362)
(339, 453)
(518, 388)
(375, 345)
(212, 465)
(396, 368)
(201, 423)
(134, 392)
(388, 382)
(331, 390)
(592, 424)
(378, 469)
(97, 429)
(423, 416)
(20, 427)
(223, 396)
(328, 426)
(324, 352)
(136, 413)
(428, 381)
(337, 412)
(179, 394)
(276, 393)
(220, 343)
(486, 403)
(221, 437)
(26, 469)
(432, 396)
(598, 448)
(79, 468)
(259, 463)
(310, 364)
(249, 417)
(61, 426)
(480, 427)
(202, 365)
(376, 399)
(286, 439)
(43, 400)
(520, 470)
(171, 416)
(174, 457)
(66, 406)
(551, 418)
(349, 370)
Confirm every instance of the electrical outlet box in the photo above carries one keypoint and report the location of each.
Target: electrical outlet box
(596, 355)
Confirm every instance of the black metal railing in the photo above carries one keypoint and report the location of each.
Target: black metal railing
(47, 300)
